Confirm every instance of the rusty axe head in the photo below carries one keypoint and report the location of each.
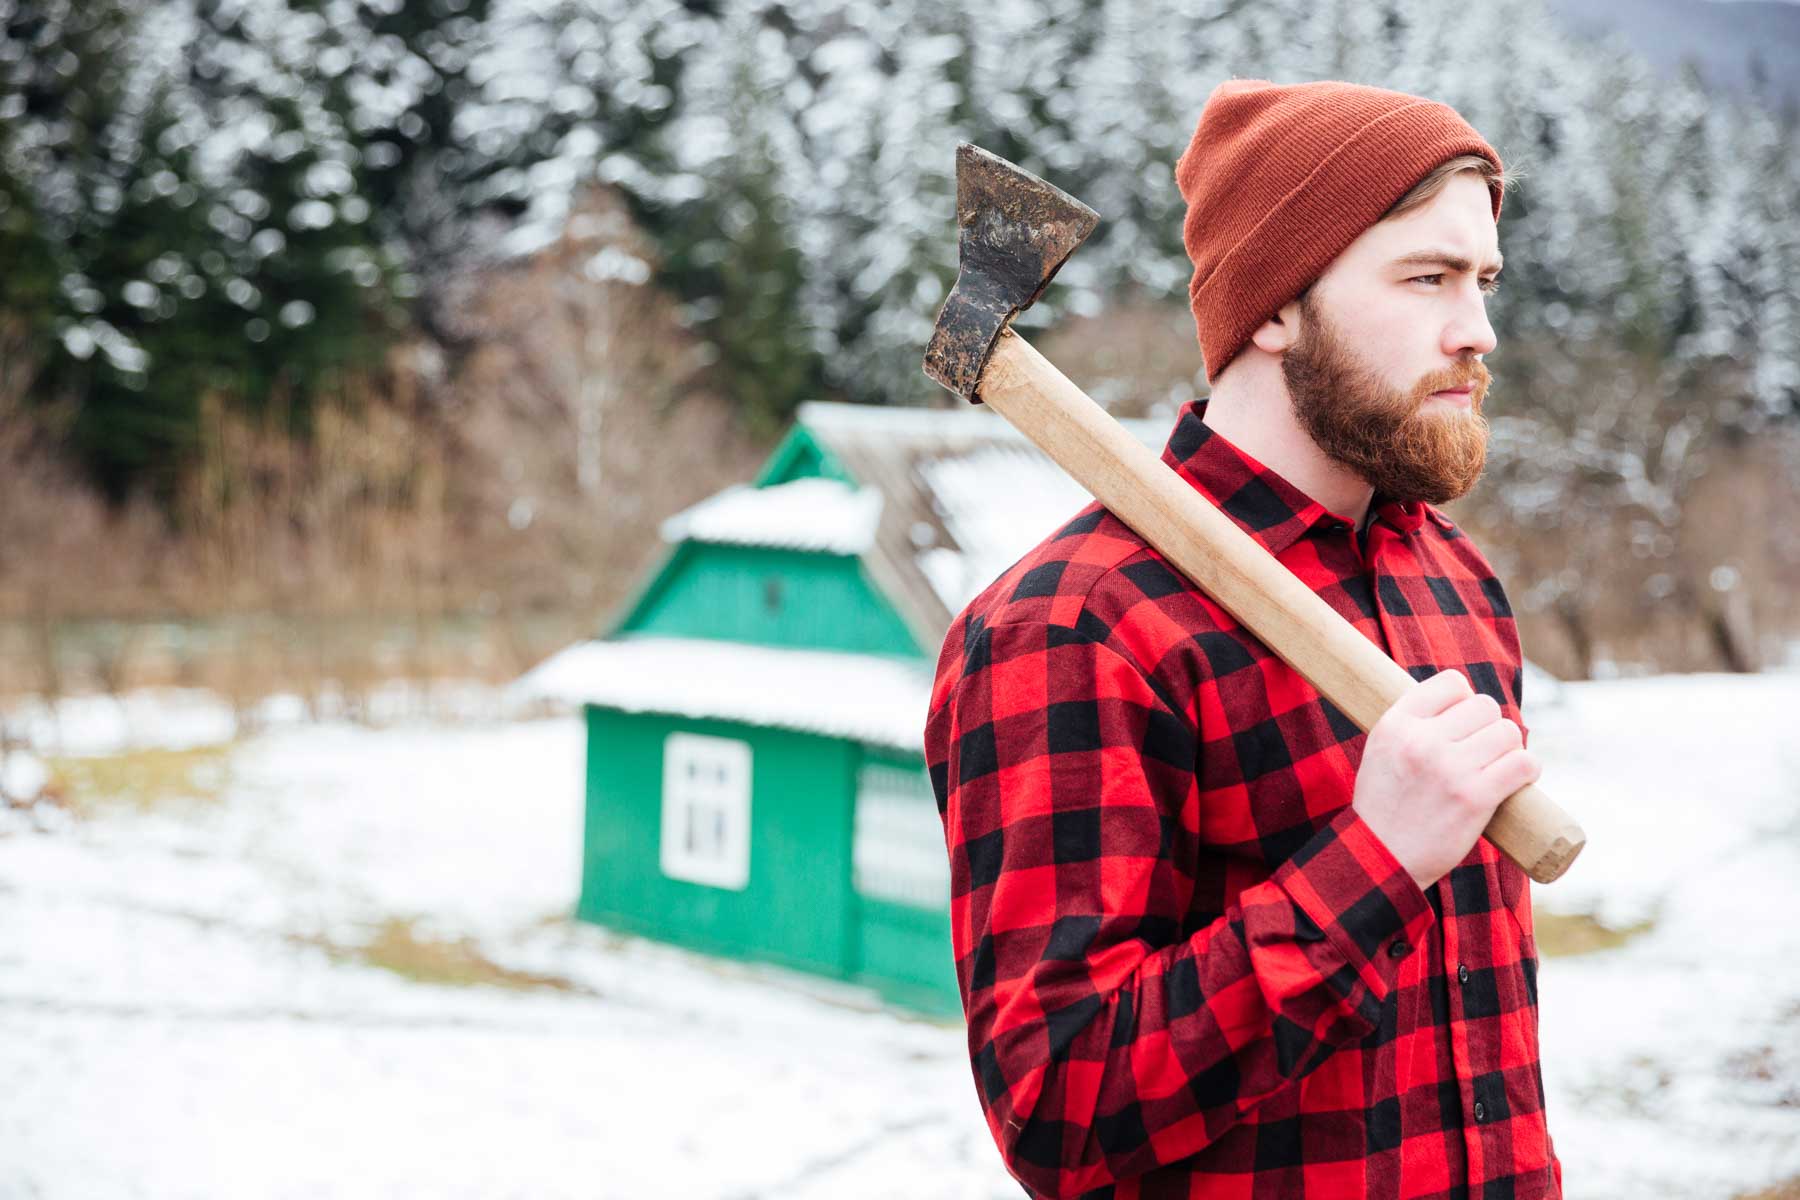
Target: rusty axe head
(1017, 231)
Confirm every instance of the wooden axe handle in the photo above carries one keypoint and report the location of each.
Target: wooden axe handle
(1226, 563)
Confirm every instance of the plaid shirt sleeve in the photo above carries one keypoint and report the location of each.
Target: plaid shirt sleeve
(1109, 1036)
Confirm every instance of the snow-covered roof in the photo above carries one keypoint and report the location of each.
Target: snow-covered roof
(861, 696)
(996, 502)
(804, 514)
(965, 495)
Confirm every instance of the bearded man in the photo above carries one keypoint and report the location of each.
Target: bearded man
(1211, 939)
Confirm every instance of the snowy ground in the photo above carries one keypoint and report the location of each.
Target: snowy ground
(238, 994)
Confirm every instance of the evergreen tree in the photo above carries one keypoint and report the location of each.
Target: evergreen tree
(32, 90)
(888, 201)
(316, 174)
(105, 224)
(729, 224)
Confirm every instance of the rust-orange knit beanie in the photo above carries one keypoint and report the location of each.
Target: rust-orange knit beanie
(1280, 179)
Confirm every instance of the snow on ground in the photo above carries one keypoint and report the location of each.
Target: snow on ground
(1673, 1062)
(190, 1007)
(181, 1019)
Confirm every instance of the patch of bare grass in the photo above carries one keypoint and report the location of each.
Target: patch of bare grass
(399, 946)
(143, 779)
(1564, 935)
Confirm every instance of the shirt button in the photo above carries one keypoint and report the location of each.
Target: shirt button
(1462, 973)
(1398, 949)
(1480, 1112)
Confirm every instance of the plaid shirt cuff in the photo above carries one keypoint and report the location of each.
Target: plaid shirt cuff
(1368, 905)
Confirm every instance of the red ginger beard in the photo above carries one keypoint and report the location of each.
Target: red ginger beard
(1380, 433)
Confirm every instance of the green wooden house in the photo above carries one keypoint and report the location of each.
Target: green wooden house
(755, 780)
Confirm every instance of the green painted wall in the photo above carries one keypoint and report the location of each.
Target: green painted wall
(798, 908)
(904, 950)
(770, 597)
(905, 955)
(795, 910)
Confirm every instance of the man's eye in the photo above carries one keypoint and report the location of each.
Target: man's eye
(1488, 286)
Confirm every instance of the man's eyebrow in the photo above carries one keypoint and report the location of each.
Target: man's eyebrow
(1444, 258)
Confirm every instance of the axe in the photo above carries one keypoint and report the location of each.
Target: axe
(1017, 231)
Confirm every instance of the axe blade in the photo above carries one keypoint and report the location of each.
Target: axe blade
(1016, 232)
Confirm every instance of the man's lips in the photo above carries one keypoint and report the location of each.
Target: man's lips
(1464, 390)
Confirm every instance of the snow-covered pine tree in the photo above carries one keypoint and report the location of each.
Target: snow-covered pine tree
(884, 143)
(728, 226)
(107, 235)
(291, 224)
(1746, 250)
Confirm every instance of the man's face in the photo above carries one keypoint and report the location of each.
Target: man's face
(1385, 372)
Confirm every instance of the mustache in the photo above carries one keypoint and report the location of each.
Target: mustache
(1472, 373)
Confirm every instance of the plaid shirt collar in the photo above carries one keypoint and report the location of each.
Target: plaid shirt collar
(1269, 508)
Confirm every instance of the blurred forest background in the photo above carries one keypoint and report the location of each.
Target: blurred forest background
(341, 338)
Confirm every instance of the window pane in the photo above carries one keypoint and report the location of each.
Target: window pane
(706, 810)
(899, 850)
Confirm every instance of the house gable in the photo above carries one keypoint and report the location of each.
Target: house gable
(769, 596)
(802, 456)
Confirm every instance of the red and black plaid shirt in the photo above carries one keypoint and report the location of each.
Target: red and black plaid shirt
(1189, 968)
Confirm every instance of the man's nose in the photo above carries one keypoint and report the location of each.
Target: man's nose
(1470, 332)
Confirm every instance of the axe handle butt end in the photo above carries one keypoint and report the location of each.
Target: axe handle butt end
(1533, 831)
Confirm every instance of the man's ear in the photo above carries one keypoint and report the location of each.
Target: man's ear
(1280, 331)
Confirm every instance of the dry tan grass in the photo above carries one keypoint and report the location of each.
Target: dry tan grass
(143, 779)
(520, 485)
(1562, 935)
(398, 946)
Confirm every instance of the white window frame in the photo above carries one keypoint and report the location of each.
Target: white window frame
(897, 847)
(706, 810)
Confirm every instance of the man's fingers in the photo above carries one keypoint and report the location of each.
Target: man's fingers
(1485, 745)
(1512, 771)
(1433, 696)
(1467, 716)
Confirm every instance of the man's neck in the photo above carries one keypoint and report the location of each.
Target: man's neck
(1250, 408)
